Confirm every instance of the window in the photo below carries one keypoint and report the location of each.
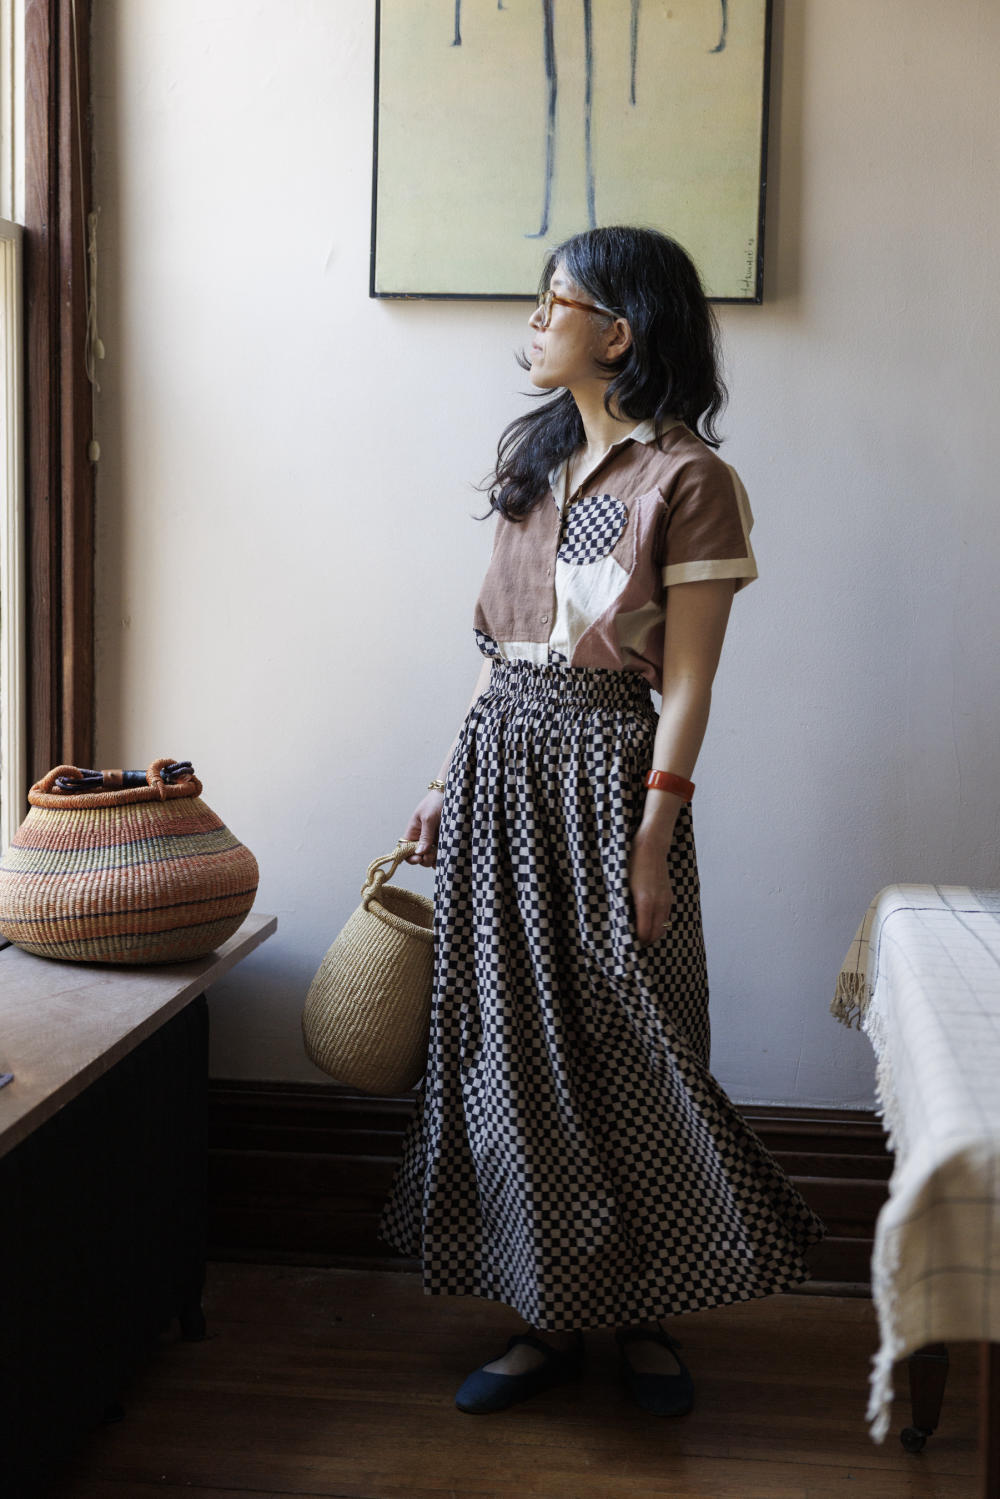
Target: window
(45, 177)
(12, 110)
(13, 709)
(13, 718)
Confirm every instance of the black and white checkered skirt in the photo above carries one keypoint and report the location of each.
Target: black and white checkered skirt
(571, 1154)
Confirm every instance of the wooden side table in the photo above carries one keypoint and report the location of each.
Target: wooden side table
(103, 1151)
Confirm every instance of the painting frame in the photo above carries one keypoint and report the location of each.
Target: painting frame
(751, 271)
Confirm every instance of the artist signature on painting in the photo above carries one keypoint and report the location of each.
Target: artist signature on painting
(747, 280)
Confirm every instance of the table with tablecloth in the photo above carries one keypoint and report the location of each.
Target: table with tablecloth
(922, 980)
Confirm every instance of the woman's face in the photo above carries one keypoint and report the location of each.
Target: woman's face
(566, 353)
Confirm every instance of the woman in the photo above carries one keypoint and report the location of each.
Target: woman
(572, 1155)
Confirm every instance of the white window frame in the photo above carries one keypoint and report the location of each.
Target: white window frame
(13, 698)
(12, 110)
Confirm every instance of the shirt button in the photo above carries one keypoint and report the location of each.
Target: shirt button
(545, 619)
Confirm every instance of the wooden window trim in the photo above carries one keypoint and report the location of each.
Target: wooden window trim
(59, 476)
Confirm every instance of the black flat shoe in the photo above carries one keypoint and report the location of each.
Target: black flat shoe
(659, 1394)
(484, 1392)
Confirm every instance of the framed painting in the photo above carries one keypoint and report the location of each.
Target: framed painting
(504, 126)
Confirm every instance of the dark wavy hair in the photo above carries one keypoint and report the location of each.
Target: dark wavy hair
(671, 367)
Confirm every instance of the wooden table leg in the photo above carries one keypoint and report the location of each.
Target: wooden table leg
(928, 1371)
(989, 1420)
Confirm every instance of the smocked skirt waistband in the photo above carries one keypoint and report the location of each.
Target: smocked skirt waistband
(582, 686)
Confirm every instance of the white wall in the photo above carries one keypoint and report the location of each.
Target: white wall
(287, 567)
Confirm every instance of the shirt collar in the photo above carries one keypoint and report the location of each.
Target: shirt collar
(646, 431)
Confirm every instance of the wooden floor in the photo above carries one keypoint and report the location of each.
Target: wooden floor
(339, 1382)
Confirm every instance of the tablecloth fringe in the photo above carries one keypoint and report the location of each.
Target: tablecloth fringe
(887, 1104)
(885, 1267)
(851, 998)
(853, 991)
(885, 1252)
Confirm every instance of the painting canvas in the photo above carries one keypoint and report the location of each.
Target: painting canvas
(504, 126)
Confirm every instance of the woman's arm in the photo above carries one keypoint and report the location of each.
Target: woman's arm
(697, 615)
(427, 816)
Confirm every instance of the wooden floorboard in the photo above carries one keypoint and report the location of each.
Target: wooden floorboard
(322, 1382)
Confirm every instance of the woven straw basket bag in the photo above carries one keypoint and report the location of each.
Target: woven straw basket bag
(123, 866)
(367, 1013)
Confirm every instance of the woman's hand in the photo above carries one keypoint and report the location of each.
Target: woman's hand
(649, 881)
(423, 827)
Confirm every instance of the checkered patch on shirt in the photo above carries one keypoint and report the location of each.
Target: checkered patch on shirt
(592, 529)
(486, 643)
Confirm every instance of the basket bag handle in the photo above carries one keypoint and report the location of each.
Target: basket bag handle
(377, 877)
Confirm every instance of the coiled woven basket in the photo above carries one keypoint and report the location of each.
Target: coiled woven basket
(367, 1014)
(138, 870)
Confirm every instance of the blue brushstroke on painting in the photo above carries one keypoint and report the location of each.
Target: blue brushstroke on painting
(633, 49)
(552, 90)
(588, 108)
(720, 44)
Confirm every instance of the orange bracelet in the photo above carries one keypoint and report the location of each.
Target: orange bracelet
(665, 780)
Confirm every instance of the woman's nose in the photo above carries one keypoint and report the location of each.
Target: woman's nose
(537, 318)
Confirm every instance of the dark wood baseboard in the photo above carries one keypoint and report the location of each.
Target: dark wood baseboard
(298, 1173)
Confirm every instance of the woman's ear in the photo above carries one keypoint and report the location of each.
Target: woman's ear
(617, 339)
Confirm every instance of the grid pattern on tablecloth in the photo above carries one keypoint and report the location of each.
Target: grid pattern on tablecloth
(932, 965)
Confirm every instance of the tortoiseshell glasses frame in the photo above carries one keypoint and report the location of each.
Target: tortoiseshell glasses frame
(547, 299)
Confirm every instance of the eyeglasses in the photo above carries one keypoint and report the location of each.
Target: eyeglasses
(548, 298)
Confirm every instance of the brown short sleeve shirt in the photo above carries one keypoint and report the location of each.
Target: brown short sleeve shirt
(583, 578)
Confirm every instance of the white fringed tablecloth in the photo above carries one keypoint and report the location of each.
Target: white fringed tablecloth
(922, 980)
